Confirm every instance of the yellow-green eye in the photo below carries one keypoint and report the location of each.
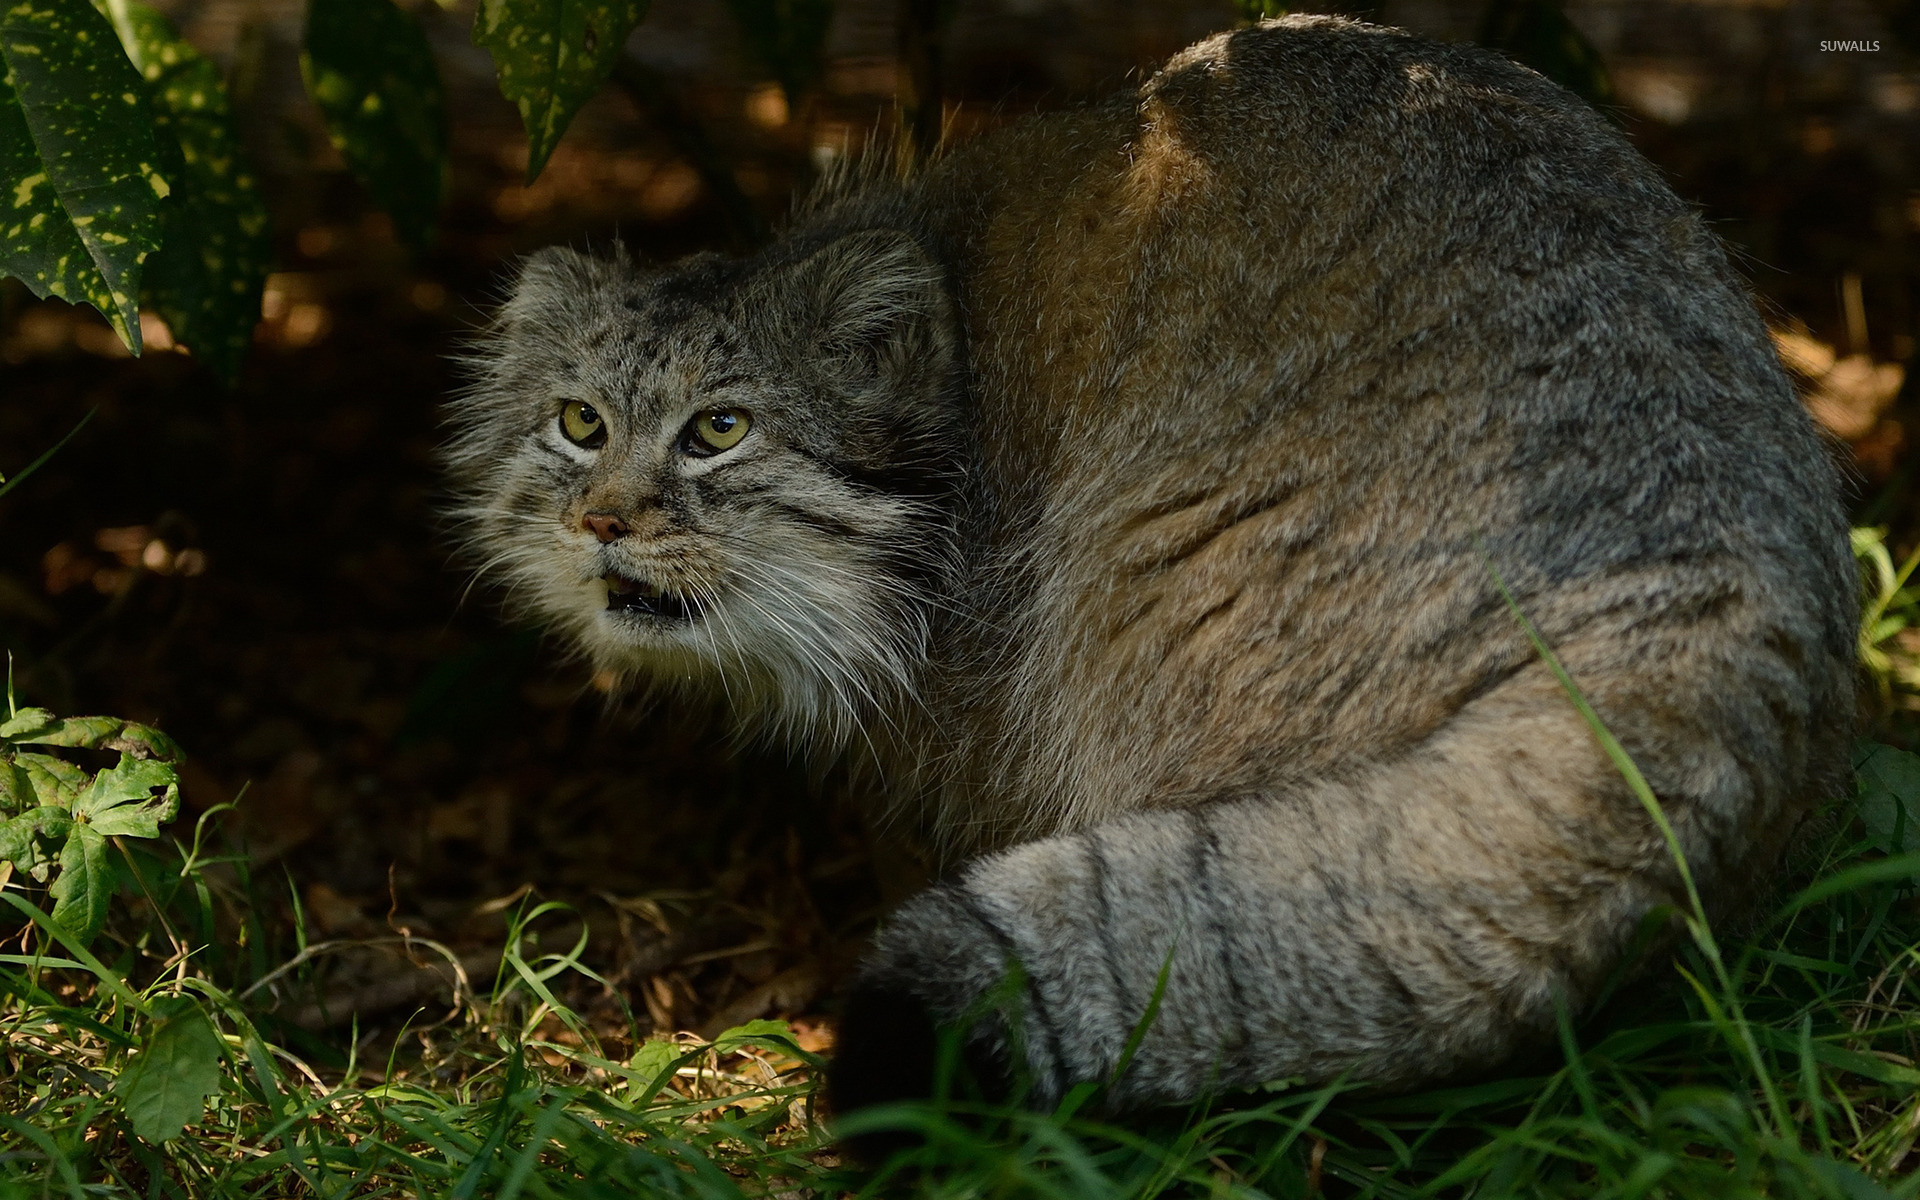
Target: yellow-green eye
(582, 424)
(718, 430)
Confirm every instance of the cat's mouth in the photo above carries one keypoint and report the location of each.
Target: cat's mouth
(647, 599)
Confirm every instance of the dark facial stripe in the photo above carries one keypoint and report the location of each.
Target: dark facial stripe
(905, 480)
(831, 526)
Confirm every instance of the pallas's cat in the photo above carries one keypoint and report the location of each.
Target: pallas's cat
(1124, 493)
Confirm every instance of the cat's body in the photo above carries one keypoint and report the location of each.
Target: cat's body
(1126, 491)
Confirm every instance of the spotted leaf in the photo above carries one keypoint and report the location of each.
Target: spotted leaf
(79, 166)
(370, 72)
(206, 279)
(553, 55)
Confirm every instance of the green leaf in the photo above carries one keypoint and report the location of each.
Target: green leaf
(1900, 869)
(95, 733)
(54, 780)
(764, 1033)
(369, 70)
(786, 37)
(87, 882)
(206, 279)
(17, 793)
(1538, 34)
(752, 1029)
(32, 840)
(79, 166)
(165, 1087)
(143, 741)
(25, 722)
(553, 55)
(650, 1061)
(1884, 768)
(86, 732)
(1889, 799)
(133, 799)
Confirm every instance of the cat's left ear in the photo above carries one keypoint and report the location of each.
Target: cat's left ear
(869, 300)
(549, 286)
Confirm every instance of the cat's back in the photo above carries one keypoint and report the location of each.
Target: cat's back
(1299, 195)
(1263, 355)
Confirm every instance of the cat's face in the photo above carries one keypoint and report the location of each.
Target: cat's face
(733, 476)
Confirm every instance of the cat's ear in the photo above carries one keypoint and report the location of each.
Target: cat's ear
(555, 268)
(867, 300)
(552, 280)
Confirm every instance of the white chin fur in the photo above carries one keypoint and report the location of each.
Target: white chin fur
(799, 639)
(793, 655)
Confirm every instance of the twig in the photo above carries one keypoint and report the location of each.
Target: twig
(386, 993)
(399, 989)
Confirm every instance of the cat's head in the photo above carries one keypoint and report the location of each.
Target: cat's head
(734, 477)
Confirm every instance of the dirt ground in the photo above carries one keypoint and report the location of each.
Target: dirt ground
(261, 571)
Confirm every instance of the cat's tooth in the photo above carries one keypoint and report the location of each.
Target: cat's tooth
(620, 585)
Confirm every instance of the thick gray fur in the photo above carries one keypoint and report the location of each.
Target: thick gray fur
(1121, 495)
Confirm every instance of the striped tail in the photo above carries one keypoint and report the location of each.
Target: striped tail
(1412, 920)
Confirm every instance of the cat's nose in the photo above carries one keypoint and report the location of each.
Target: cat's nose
(605, 526)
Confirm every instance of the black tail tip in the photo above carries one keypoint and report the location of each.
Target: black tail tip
(890, 1050)
(887, 1051)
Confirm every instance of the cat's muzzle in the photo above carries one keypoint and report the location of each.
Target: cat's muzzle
(646, 599)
